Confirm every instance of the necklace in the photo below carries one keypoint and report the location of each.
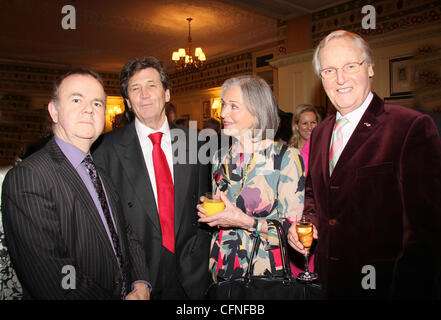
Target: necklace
(248, 168)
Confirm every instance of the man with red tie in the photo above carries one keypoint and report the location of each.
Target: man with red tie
(159, 192)
(374, 185)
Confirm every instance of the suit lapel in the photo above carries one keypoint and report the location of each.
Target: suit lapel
(80, 192)
(367, 125)
(132, 159)
(133, 162)
(324, 149)
(182, 177)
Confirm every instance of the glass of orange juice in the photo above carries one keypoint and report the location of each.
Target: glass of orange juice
(212, 206)
(305, 232)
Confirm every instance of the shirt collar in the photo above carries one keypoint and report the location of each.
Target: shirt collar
(72, 153)
(355, 115)
(145, 131)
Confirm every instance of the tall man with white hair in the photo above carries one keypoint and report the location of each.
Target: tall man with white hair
(374, 185)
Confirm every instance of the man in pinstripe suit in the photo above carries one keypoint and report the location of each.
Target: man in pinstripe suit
(66, 236)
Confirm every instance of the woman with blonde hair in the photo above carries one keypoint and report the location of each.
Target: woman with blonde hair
(305, 119)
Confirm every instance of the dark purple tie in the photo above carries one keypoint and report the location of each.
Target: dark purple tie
(91, 169)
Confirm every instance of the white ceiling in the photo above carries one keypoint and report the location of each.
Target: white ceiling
(110, 32)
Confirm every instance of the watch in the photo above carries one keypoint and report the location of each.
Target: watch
(259, 227)
(254, 227)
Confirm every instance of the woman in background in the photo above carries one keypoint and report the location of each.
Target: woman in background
(10, 286)
(306, 118)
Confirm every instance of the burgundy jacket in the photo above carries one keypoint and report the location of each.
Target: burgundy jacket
(381, 206)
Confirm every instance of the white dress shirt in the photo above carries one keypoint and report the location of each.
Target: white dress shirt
(354, 118)
(147, 148)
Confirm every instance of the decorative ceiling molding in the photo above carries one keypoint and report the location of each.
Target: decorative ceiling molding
(110, 32)
(293, 58)
(284, 9)
(391, 15)
(396, 37)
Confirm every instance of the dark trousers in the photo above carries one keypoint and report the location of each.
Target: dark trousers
(168, 286)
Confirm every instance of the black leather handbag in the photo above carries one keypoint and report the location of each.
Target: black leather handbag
(266, 287)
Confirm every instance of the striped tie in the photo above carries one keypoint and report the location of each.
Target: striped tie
(336, 143)
(96, 180)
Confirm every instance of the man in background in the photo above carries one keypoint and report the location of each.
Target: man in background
(170, 112)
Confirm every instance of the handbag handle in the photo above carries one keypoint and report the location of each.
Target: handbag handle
(283, 251)
(282, 240)
(283, 244)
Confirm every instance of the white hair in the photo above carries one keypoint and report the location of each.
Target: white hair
(359, 41)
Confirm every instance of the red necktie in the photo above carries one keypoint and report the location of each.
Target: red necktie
(165, 192)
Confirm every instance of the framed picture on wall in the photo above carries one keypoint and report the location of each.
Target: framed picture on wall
(406, 101)
(400, 72)
(206, 109)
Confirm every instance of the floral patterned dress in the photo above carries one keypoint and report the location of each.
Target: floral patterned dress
(268, 184)
(10, 287)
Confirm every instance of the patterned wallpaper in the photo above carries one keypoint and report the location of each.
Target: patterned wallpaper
(24, 77)
(25, 90)
(213, 75)
(390, 15)
(24, 93)
(25, 87)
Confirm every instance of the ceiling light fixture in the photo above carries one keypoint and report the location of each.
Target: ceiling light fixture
(184, 60)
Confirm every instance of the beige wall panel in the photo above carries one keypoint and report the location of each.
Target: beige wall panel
(192, 103)
(298, 84)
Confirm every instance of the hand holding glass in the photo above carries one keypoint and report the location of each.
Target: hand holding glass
(211, 205)
(304, 230)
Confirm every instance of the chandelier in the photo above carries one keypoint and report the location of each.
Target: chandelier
(184, 60)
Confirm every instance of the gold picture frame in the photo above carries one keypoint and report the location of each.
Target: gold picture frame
(206, 110)
(401, 77)
(407, 101)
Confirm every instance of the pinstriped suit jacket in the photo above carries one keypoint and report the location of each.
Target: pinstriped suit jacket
(51, 221)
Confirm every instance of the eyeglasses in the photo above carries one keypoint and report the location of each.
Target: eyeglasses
(350, 68)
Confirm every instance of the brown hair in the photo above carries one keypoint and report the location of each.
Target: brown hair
(80, 71)
(134, 66)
